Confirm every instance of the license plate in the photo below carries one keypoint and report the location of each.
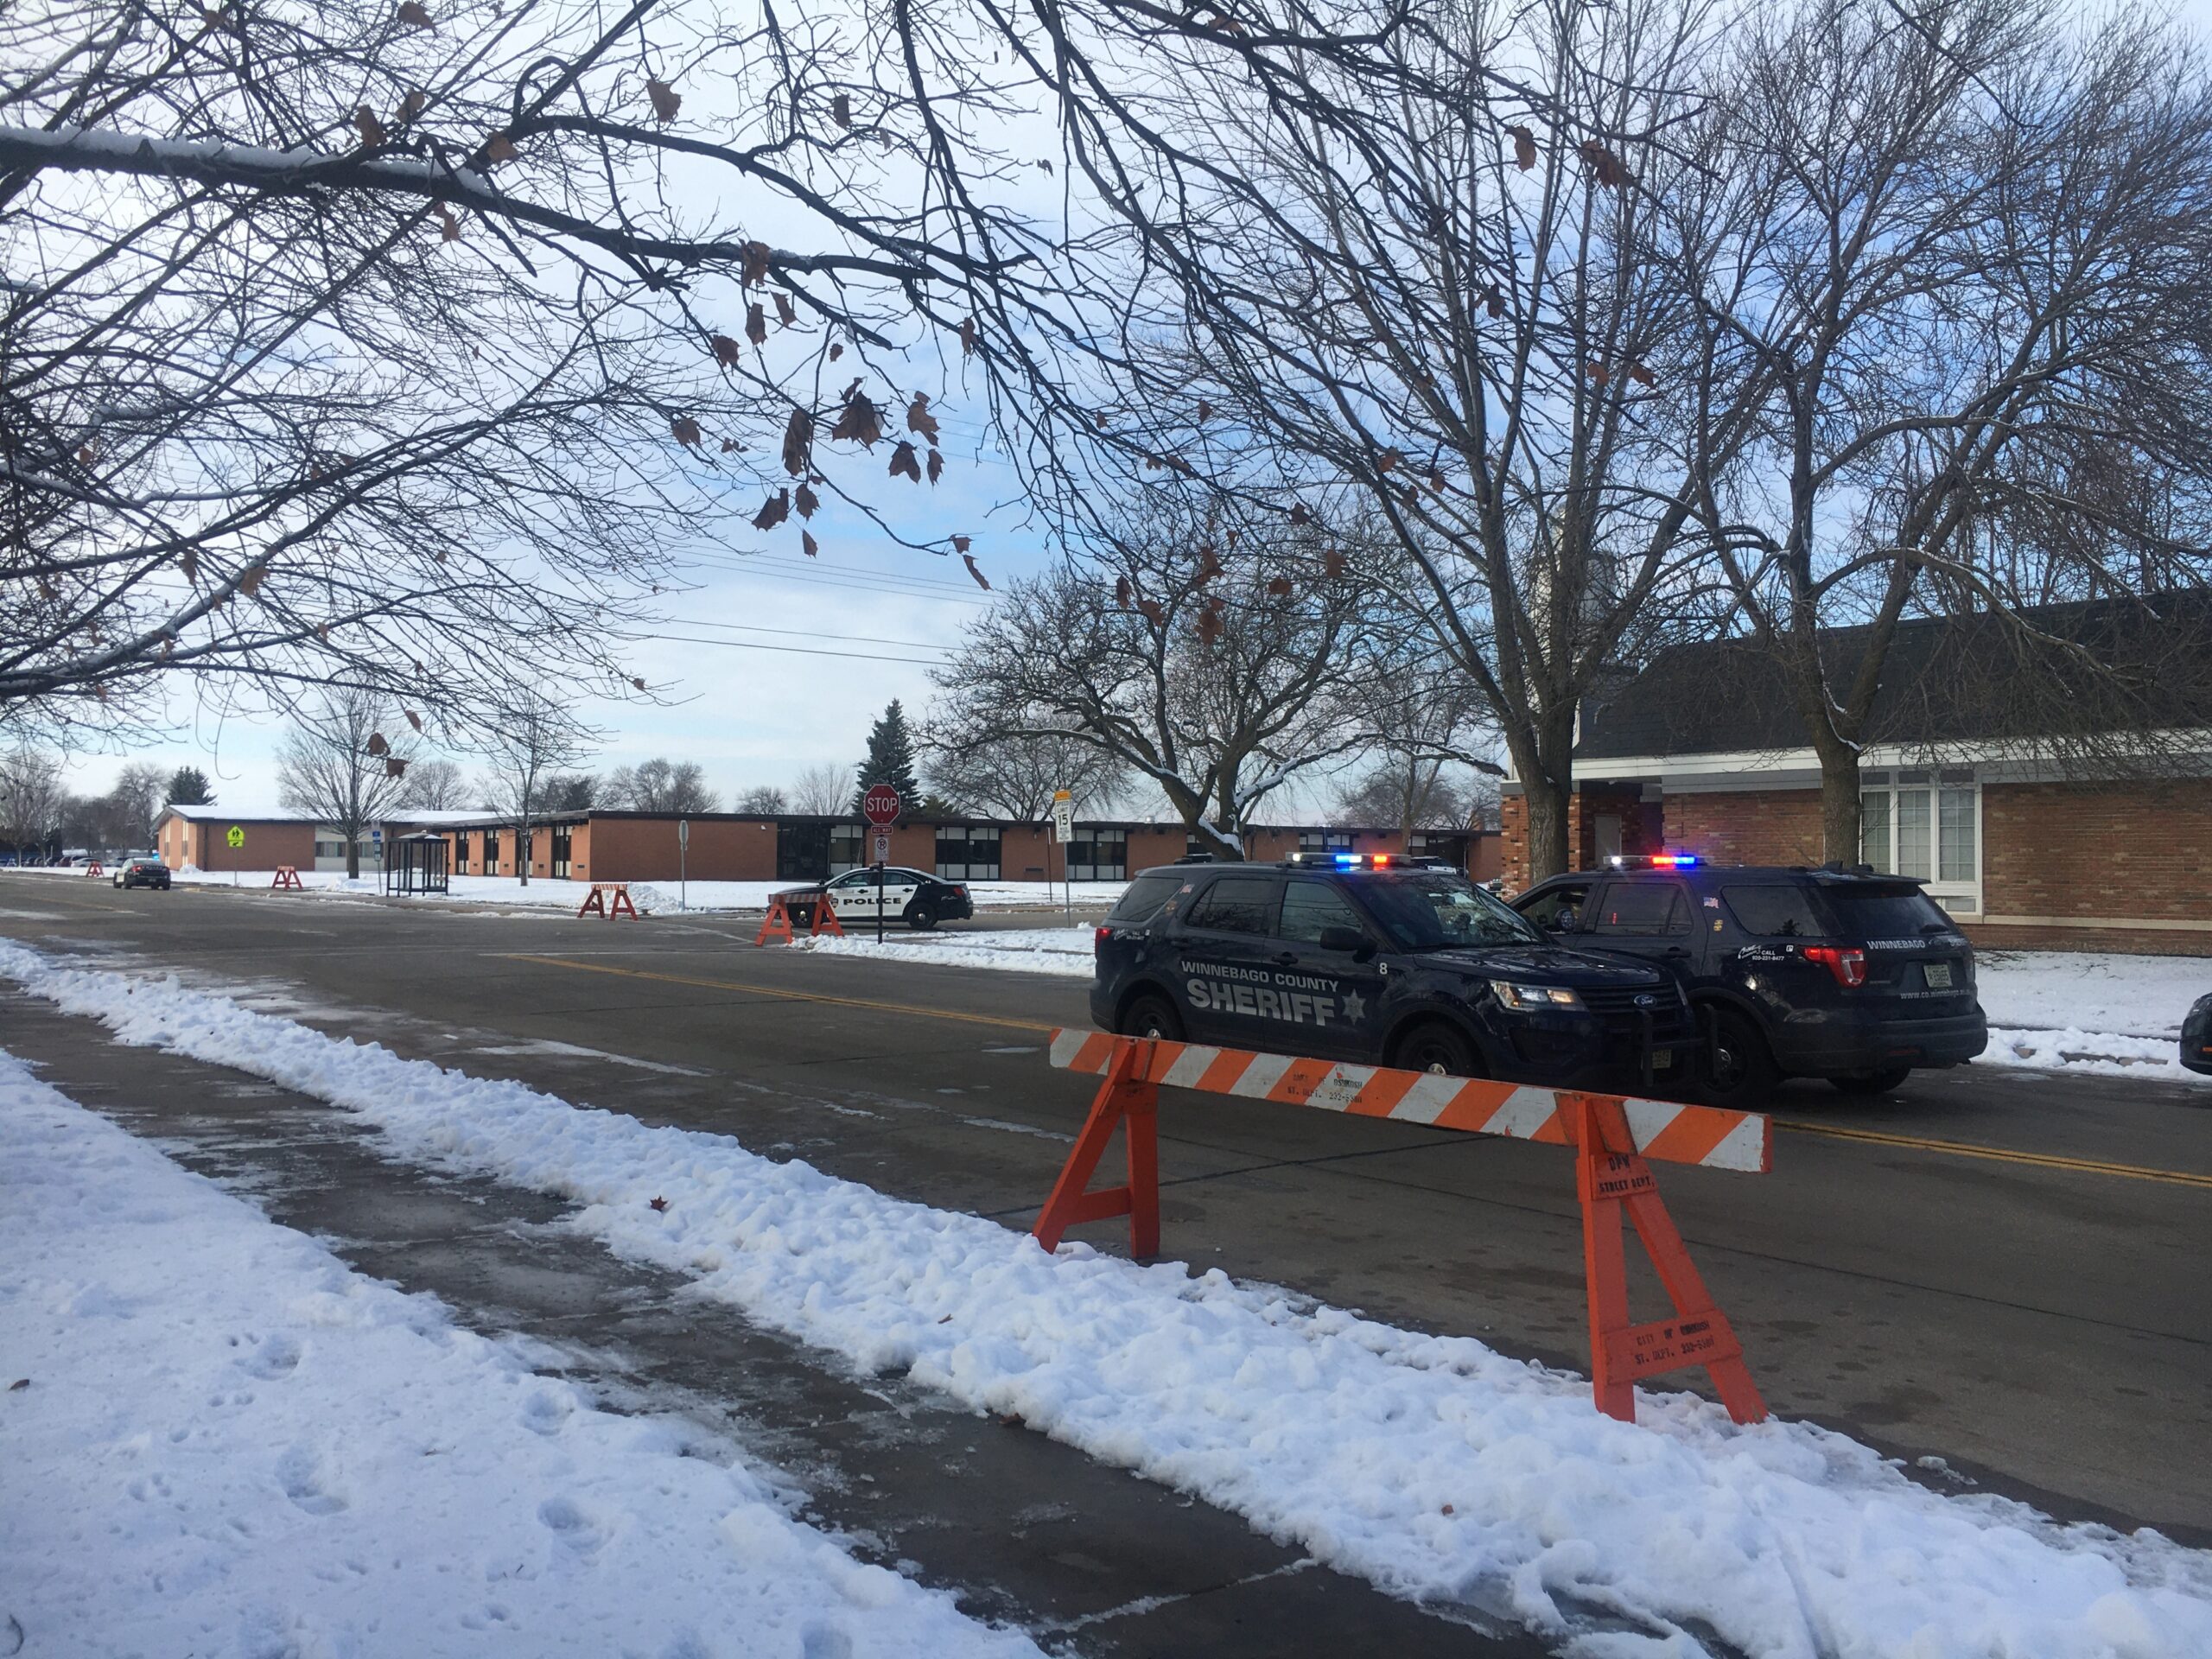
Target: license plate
(1939, 976)
(1662, 1059)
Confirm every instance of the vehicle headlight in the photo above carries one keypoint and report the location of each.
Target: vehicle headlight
(1526, 999)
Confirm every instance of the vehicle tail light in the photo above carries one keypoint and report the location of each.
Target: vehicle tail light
(1101, 936)
(959, 891)
(1847, 964)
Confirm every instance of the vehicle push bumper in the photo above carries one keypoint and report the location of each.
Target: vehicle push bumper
(1837, 1042)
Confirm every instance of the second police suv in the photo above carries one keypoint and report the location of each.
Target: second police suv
(1397, 962)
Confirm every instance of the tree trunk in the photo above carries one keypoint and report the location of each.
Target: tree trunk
(523, 851)
(1840, 802)
(1543, 757)
(353, 853)
(1548, 813)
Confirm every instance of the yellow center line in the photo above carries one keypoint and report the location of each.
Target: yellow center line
(788, 996)
(1918, 1143)
(1967, 1149)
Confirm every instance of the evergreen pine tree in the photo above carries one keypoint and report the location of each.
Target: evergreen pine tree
(890, 759)
(187, 787)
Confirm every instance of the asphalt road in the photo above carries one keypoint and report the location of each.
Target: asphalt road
(2008, 1271)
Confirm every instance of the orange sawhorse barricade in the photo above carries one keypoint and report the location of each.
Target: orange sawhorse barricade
(597, 902)
(92, 868)
(289, 878)
(776, 925)
(1614, 1139)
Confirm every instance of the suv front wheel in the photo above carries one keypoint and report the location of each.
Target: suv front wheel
(1433, 1046)
(1739, 1071)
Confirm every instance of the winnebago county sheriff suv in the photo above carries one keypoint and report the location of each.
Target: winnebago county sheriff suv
(1384, 960)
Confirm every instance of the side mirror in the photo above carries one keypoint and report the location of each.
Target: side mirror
(1350, 939)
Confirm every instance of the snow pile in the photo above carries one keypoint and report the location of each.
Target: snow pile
(1062, 950)
(2089, 1010)
(1433, 1466)
(228, 1442)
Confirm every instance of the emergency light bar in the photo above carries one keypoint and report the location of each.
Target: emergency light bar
(1654, 861)
(1365, 861)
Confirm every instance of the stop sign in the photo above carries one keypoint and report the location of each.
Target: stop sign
(879, 806)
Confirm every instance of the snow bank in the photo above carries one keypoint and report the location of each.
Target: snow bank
(2089, 1010)
(230, 1443)
(1061, 951)
(1433, 1466)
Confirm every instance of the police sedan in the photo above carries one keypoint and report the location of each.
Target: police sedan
(1406, 963)
(915, 897)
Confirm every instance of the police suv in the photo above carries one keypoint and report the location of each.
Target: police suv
(1829, 972)
(1400, 962)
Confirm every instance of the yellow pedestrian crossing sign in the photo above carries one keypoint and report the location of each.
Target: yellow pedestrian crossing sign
(237, 837)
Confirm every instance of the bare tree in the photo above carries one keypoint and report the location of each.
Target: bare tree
(536, 738)
(341, 762)
(825, 791)
(659, 785)
(434, 785)
(1208, 658)
(766, 800)
(136, 801)
(1017, 777)
(1964, 259)
(32, 801)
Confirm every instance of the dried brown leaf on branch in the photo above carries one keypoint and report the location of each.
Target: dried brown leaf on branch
(1150, 609)
(1642, 376)
(773, 511)
(249, 579)
(807, 544)
(836, 350)
(1332, 563)
(1602, 162)
(786, 314)
(756, 324)
(686, 430)
(1299, 514)
(499, 147)
(905, 463)
(376, 745)
(1436, 479)
(1493, 302)
(1524, 147)
(1123, 590)
(394, 767)
(189, 562)
(413, 719)
(1389, 459)
(1206, 412)
(967, 337)
(412, 14)
(728, 352)
(962, 543)
(1599, 376)
(756, 264)
(798, 442)
(807, 501)
(840, 109)
(414, 103)
(370, 129)
(1208, 628)
(638, 681)
(87, 455)
(982, 581)
(731, 447)
(919, 418)
(859, 421)
(666, 100)
(935, 465)
(1279, 588)
(449, 227)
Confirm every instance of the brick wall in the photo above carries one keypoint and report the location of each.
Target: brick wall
(2110, 852)
(1780, 826)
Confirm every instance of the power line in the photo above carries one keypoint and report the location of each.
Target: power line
(815, 633)
(796, 650)
(890, 588)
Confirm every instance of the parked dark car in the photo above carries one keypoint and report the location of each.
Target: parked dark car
(914, 896)
(1828, 972)
(1377, 960)
(142, 873)
(2196, 1036)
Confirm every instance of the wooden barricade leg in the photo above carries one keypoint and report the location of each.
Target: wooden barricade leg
(622, 906)
(593, 904)
(825, 920)
(1612, 1176)
(776, 925)
(1125, 1101)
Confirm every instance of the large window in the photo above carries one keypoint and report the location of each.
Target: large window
(1097, 854)
(1324, 841)
(847, 846)
(461, 852)
(967, 854)
(490, 853)
(561, 835)
(1925, 823)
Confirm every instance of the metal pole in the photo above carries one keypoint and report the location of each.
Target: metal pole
(879, 902)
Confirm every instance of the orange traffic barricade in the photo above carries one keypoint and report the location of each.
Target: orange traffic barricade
(775, 927)
(608, 899)
(1615, 1139)
(92, 868)
(287, 877)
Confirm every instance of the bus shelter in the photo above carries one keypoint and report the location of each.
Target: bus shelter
(416, 865)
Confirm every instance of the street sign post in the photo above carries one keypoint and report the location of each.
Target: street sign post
(1064, 832)
(237, 839)
(684, 863)
(879, 806)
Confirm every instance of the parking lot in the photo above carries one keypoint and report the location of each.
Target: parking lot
(2000, 1269)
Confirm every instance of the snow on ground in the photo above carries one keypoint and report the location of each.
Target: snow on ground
(2089, 1010)
(1431, 1465)
(660, 896)
(226, 1441)
(1064, 951)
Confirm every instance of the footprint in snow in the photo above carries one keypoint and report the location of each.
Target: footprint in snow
(300, 1472)
(277, 1356)
(572, 1524)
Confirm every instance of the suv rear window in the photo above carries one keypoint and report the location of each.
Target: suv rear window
(1873, 912)
(1142, 900)
(1643, 909)
(1775, 913)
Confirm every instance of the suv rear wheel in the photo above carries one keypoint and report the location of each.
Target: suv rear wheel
(1739, 1071)
(1150, 1014)
(1873, 1082)
(1433, 1046)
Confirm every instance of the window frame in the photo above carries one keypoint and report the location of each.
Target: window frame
(1957, 896)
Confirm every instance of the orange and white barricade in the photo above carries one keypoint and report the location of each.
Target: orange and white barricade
(608, 899)
(287, 877)
(1615, 1138)
(92, 868)
(777, 928)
